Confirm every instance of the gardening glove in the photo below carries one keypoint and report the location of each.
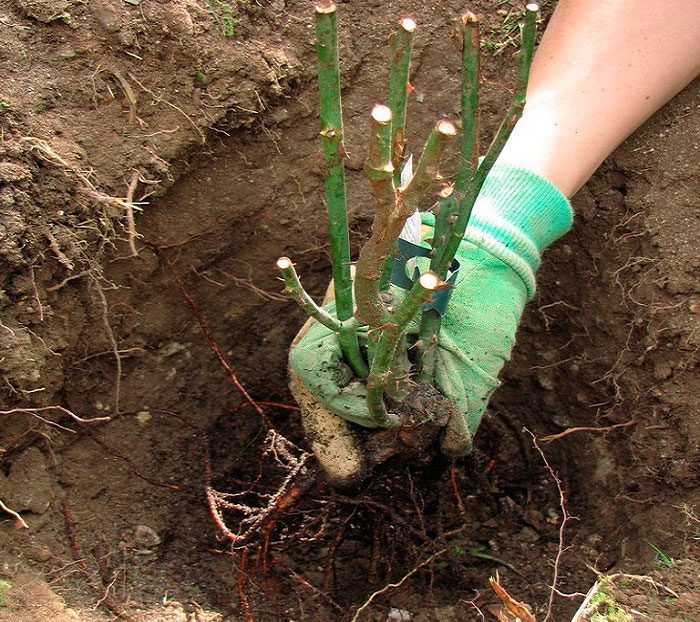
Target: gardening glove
(516, 216)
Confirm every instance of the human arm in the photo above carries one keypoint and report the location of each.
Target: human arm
(603, 67)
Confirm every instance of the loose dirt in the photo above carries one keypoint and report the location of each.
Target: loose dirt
(186, 131)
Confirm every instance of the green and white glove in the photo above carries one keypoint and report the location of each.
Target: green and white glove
(517, 215)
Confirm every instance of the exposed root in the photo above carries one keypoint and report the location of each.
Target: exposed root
(112, 341)
(130, 224)
(598, 430)
(257, 511)
(213, 343)
(566, 517)
(34, 412)
(102, 592)
(19, 521)
(173, 106)
(240, 586)
(44, 149)
(391, 586)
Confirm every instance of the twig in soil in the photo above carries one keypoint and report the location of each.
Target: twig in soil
(564, 521)
(130, 96)
(601, 430)
(391, 586)
(240, 585)
(135, 469)
(64, 411)
(518, 609)
(130, 224)
(112, 341)
(213, 343)
(308, 586)
(77, 553)
(173, 106)
(19, 521)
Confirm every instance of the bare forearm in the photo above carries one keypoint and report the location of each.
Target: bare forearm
(603, 67)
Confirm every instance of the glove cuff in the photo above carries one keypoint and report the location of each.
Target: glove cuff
(516, 216)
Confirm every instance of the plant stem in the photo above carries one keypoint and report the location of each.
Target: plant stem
(391, 335)
(528, 35)
(450, 204)
(296, 290)
(469, 143)
(379, 170)
(332, 140)
(504, 131)
(431, 321)
(427, 170)
(388, 226)
(401, 47)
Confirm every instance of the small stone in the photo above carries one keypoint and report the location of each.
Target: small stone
(146, 537)
(178, 20)
(45, 11)
(39, 553)
(279, 115)
(108, 15)
(398, 615)
(528, 534)
(553, 517)
(663, 370)
(66, 54)
(689, 600)
(172, 348)
(546, 382)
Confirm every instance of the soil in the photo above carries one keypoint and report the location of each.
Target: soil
(199, 118)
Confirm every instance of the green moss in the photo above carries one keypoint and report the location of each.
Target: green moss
(607, 609)
(4, 586)
(201, 77)
(224, 16)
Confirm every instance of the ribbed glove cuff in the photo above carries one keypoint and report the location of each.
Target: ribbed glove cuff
(517, 215)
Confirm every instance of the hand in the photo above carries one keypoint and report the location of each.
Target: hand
(517, 215)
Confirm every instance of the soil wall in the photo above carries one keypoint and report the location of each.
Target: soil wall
(156, 158)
